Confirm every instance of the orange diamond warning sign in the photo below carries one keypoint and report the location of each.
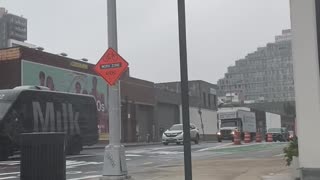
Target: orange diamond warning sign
(111, 66)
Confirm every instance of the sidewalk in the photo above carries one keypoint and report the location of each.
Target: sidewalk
(222, 169)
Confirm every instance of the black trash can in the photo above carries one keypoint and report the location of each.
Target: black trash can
(42, 156)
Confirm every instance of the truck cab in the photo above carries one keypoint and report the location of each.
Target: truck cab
(227, 128)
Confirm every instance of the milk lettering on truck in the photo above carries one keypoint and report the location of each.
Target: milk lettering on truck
(52, 121)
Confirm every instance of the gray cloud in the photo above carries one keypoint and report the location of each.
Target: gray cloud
(219, 32)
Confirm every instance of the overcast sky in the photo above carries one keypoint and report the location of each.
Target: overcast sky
(218, 32)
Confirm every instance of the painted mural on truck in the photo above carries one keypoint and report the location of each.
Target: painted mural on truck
(59, 79)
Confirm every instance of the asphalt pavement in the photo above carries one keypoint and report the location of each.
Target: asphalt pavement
(143, 161)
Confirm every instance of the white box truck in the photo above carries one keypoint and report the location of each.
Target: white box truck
(273, 126)
(235, 119)
(273, 120)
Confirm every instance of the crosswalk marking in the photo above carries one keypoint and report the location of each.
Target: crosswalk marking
(69, 164)
(86, 177)
(9, 177)
(10, 163)
(10, 173)
(133, 155)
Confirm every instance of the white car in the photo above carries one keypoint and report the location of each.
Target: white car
(175, 134)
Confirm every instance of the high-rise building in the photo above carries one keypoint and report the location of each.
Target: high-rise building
(265, 75)
(12, 27)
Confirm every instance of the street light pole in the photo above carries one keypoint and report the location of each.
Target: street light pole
(184, 90)
(115, 167)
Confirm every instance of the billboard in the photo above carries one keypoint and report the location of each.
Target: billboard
(59, 79)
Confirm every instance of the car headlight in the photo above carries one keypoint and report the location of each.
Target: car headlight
(219, 133)
(232, 132)
(180, 134)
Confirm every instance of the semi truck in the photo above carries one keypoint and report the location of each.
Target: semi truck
(25, 110)
(232, 120)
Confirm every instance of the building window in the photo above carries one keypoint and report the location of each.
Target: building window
(209, 100)
(204, 99)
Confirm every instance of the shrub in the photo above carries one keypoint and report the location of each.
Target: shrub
(291, 150)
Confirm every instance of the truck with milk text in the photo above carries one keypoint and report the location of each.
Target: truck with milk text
(32, 110)
(231, 120)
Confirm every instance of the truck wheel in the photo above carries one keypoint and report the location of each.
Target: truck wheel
(74, 147)
(196, 141)
(219, 140)
(4, 154)
(165, 143)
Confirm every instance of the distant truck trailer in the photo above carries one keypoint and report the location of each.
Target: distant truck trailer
(273, 120)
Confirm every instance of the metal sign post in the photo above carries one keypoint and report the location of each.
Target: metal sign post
(110, 67)
(184, 90)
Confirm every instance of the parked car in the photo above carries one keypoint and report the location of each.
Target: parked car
(175, 134)
(279, 134)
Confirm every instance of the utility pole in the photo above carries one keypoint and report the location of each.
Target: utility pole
(115, 167)
(202, 126)
(184, 90)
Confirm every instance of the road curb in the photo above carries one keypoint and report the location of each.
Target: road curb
(102, 146)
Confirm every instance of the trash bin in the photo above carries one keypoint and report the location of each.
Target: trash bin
(42, 156)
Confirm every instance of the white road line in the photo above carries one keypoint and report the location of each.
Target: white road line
(11, 173)
(74, 172)
(136, 151)
(10, 163)
(128, 159)
(133, 155)
(86, 177)
(90, 172)
(166, 147)
(77, 156)
(279, 155)
(68, 163)
(147, 163)
(215, 147)
(10, 177)
(83, 164)
(166, 152)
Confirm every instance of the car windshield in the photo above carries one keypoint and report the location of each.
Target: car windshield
(4, 106)
(176, 127)
(274, 130)
(229, 124)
